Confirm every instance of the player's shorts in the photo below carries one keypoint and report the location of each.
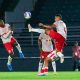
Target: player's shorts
(59, 40)
(44, 54)
(52, 55)
(13, 40)
(9, 45)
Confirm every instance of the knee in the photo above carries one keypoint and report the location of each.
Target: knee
(10, 52)
(47, 59)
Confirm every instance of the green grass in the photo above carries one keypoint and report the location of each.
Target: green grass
(33, 76)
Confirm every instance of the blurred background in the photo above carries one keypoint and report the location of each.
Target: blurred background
(12, 12)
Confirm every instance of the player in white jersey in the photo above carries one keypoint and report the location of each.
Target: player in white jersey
(59, 36)
(8, 42)
(61, 28)
(46, 47)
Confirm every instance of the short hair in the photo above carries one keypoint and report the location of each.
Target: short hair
(58, 15)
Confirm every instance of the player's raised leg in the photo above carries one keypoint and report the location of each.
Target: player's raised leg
(15, 42)
(35, 30)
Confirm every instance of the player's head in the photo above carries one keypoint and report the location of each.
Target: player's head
(76, 43)
(1, 23)
(58, 17)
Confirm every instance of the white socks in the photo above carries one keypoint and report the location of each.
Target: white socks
(9, 60)
(38, 30)
(60, 54)
(40, 66)
(54, 66)
(61, 57)
(19, 48)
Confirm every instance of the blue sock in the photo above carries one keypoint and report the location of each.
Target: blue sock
(9, 66)
(21, 55)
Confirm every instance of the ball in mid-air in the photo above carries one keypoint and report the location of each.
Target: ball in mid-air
(27, 15)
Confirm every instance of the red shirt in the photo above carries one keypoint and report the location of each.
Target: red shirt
(76, 51)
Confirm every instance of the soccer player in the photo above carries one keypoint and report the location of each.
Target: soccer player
(76, 56)
(46, 47)
(59, 37)
(8, 42)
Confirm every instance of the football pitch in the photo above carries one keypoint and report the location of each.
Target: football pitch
(33, 76)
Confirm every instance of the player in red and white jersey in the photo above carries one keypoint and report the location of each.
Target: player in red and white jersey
(59, 36)
(8, 42)
(46, 47)
(61, 28)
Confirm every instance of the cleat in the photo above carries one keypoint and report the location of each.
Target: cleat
(46, 73)
(9, 66)
(21, 55)
(38, 73)
(41, 74)
(29, 27)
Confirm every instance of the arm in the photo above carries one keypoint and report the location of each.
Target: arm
(47, 26)
(40, 44)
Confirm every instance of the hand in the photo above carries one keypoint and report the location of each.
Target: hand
(40, 24)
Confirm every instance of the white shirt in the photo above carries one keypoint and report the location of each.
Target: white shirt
(47, 45)
(3, 32)
(61, 28)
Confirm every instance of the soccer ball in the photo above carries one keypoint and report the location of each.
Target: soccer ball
(27, 15)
